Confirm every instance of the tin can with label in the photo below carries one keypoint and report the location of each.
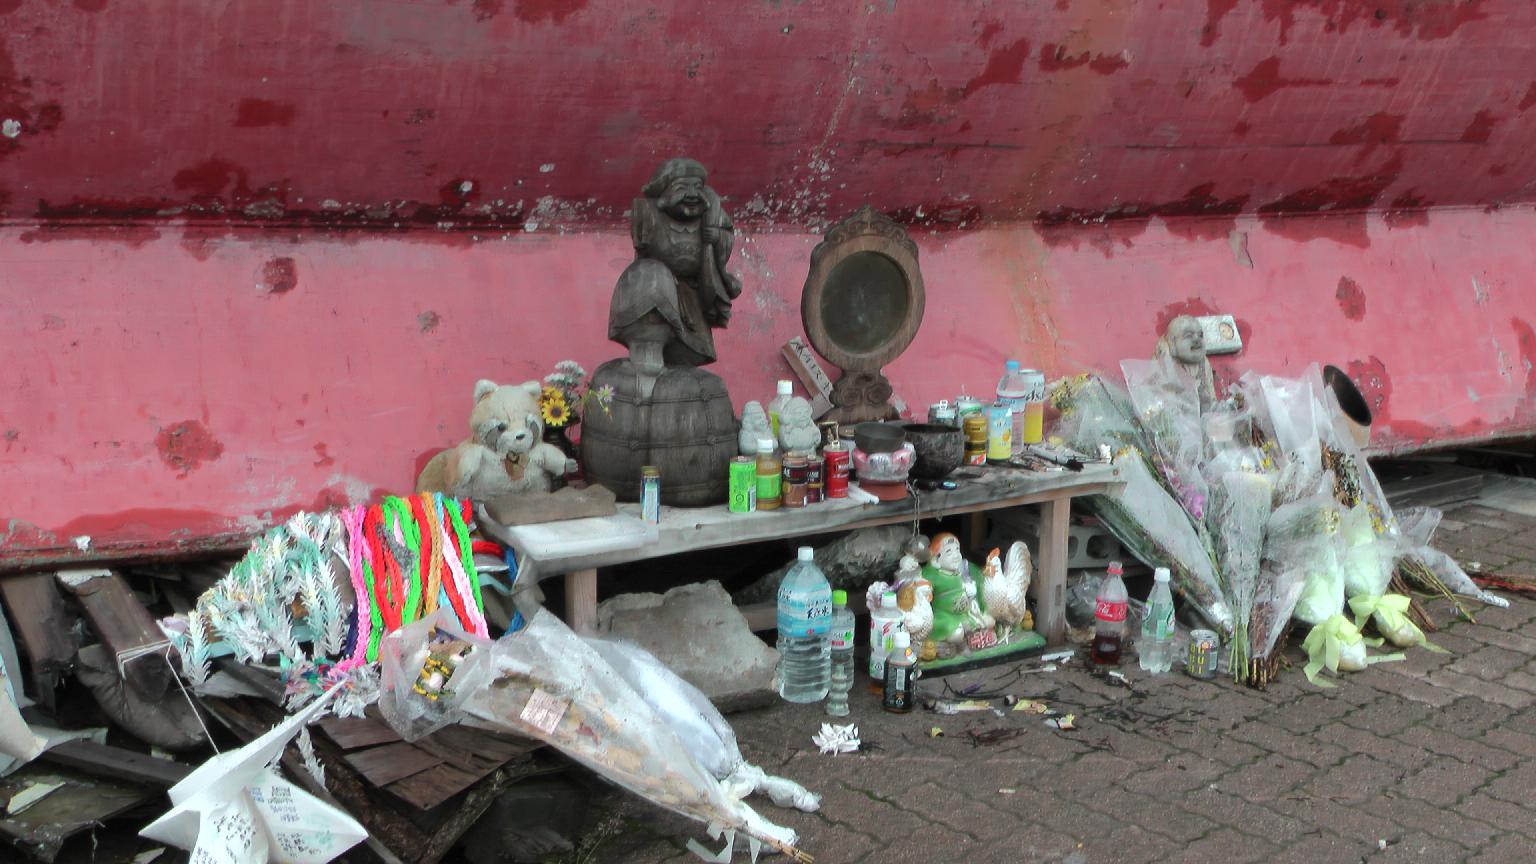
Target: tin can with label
(1034, 406)
(1203, 654)
(943, 413)
(975, 427)
(965, 406)
(835, 471)
(650, 494)
(743, 485)
(999, 433)
(815, 484)
(796, 468)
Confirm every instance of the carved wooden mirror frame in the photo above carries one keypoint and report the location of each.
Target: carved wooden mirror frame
(861, 307)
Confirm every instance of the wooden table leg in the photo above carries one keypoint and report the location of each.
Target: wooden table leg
(976, 532)
(1050, 582)
(581, 600)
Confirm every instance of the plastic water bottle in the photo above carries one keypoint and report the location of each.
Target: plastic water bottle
(1155, 648)
(784, 393)
(805, 622)
(1109, 610)
(842, 655)
(1013, 391)
(884, 623)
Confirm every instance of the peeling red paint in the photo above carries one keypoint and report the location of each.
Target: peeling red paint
(555, 11)
(1375, 385)
(1053, 58)
(1351, 299)
(1241, 128)
(1525, 337)
(485, 10)
(185, 446)
(1497, 170)
(279, 275)
(90, 5)
(1004, 66)
(1264, 80)
(324, 459)
(208, 179)
(130, 235)
(1109, 64)
(1380, 82)
(1348, 196)
(1374, 131)
(1408, 210)
(942, 216)
(7, 6)
(263, 112)
(1529, 98)
(1215, 10)
(1409, 18)
(1480, 129)
(427, 321)
(989, 31)
(1196, 216)
(146, 523)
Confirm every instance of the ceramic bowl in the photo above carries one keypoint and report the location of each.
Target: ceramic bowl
(940, 449)
(892, 467)
(878, 437)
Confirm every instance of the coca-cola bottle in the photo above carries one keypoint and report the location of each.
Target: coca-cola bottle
(1109, 617)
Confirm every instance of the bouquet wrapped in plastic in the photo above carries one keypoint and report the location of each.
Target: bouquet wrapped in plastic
(1241, 505)
(547, 683)
(1168, 410)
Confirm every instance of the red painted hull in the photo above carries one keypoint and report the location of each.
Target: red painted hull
(259, 252)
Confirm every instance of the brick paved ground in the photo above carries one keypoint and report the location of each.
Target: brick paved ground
(1431, 760)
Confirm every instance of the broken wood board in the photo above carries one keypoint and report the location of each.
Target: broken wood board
(124, 626)
(82, 803)
(43, 624)
(812, 377)
(115, 762)
(427, 772)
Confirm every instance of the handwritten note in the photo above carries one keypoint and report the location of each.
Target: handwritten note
(543, 711)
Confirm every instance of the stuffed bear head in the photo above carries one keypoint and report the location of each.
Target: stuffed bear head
(506, 418)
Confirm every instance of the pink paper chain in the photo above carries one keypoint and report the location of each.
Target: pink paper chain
(352, 517)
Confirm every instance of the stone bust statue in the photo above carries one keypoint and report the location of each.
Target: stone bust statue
(1182, 350)
(677, 288)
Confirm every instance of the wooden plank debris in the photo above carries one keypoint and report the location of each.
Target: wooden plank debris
(124, 626)
(117, 763)
(43, 624)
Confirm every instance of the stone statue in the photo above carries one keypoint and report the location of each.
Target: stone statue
(677, 288)
(754, 428)
(797, 427)
(1182, 350)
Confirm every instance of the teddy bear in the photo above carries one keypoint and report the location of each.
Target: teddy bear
(505, 453)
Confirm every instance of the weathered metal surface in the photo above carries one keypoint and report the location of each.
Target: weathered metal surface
(514, 112)
(263, 249)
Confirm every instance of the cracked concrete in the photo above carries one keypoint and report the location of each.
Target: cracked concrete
(1432, 759)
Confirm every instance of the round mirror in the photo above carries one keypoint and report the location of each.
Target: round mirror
(864, 302)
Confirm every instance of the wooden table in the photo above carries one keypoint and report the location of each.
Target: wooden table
(577, 547)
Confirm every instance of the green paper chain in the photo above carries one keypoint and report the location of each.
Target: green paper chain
(397, 512)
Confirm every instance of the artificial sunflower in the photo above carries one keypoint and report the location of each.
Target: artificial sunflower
(556, 411)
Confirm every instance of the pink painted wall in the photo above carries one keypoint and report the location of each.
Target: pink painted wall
(173, 386)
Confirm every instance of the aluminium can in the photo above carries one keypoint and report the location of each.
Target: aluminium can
(835, 471)
(743, 485)
(1204, 654)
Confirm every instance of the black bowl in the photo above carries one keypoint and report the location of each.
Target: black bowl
(940, 449)
(878, 437)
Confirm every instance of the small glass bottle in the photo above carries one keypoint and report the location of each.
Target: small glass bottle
(770, 478)
(900, 676)
(650, 494)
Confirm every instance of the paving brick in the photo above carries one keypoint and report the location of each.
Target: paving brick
(1268, 779)
(1309, 713)
(1337, 819)
(1519, 743)
(1303, 748)
(1359, 778)
(1422, 738)
(1248, 818)
(1444, 781)
(1325, 848)
(1412, 814)
(1467, 717)
(1503, 815)
(1490, 663)
(1223, 847)
(1509, 849)
(1128, 845)
(1167, 818)
(1517, 642)
(1419, 849)
(1384, 747)
(1386, 715)
(1515, 785)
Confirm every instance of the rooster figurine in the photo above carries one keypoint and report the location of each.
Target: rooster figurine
(1004, 588)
